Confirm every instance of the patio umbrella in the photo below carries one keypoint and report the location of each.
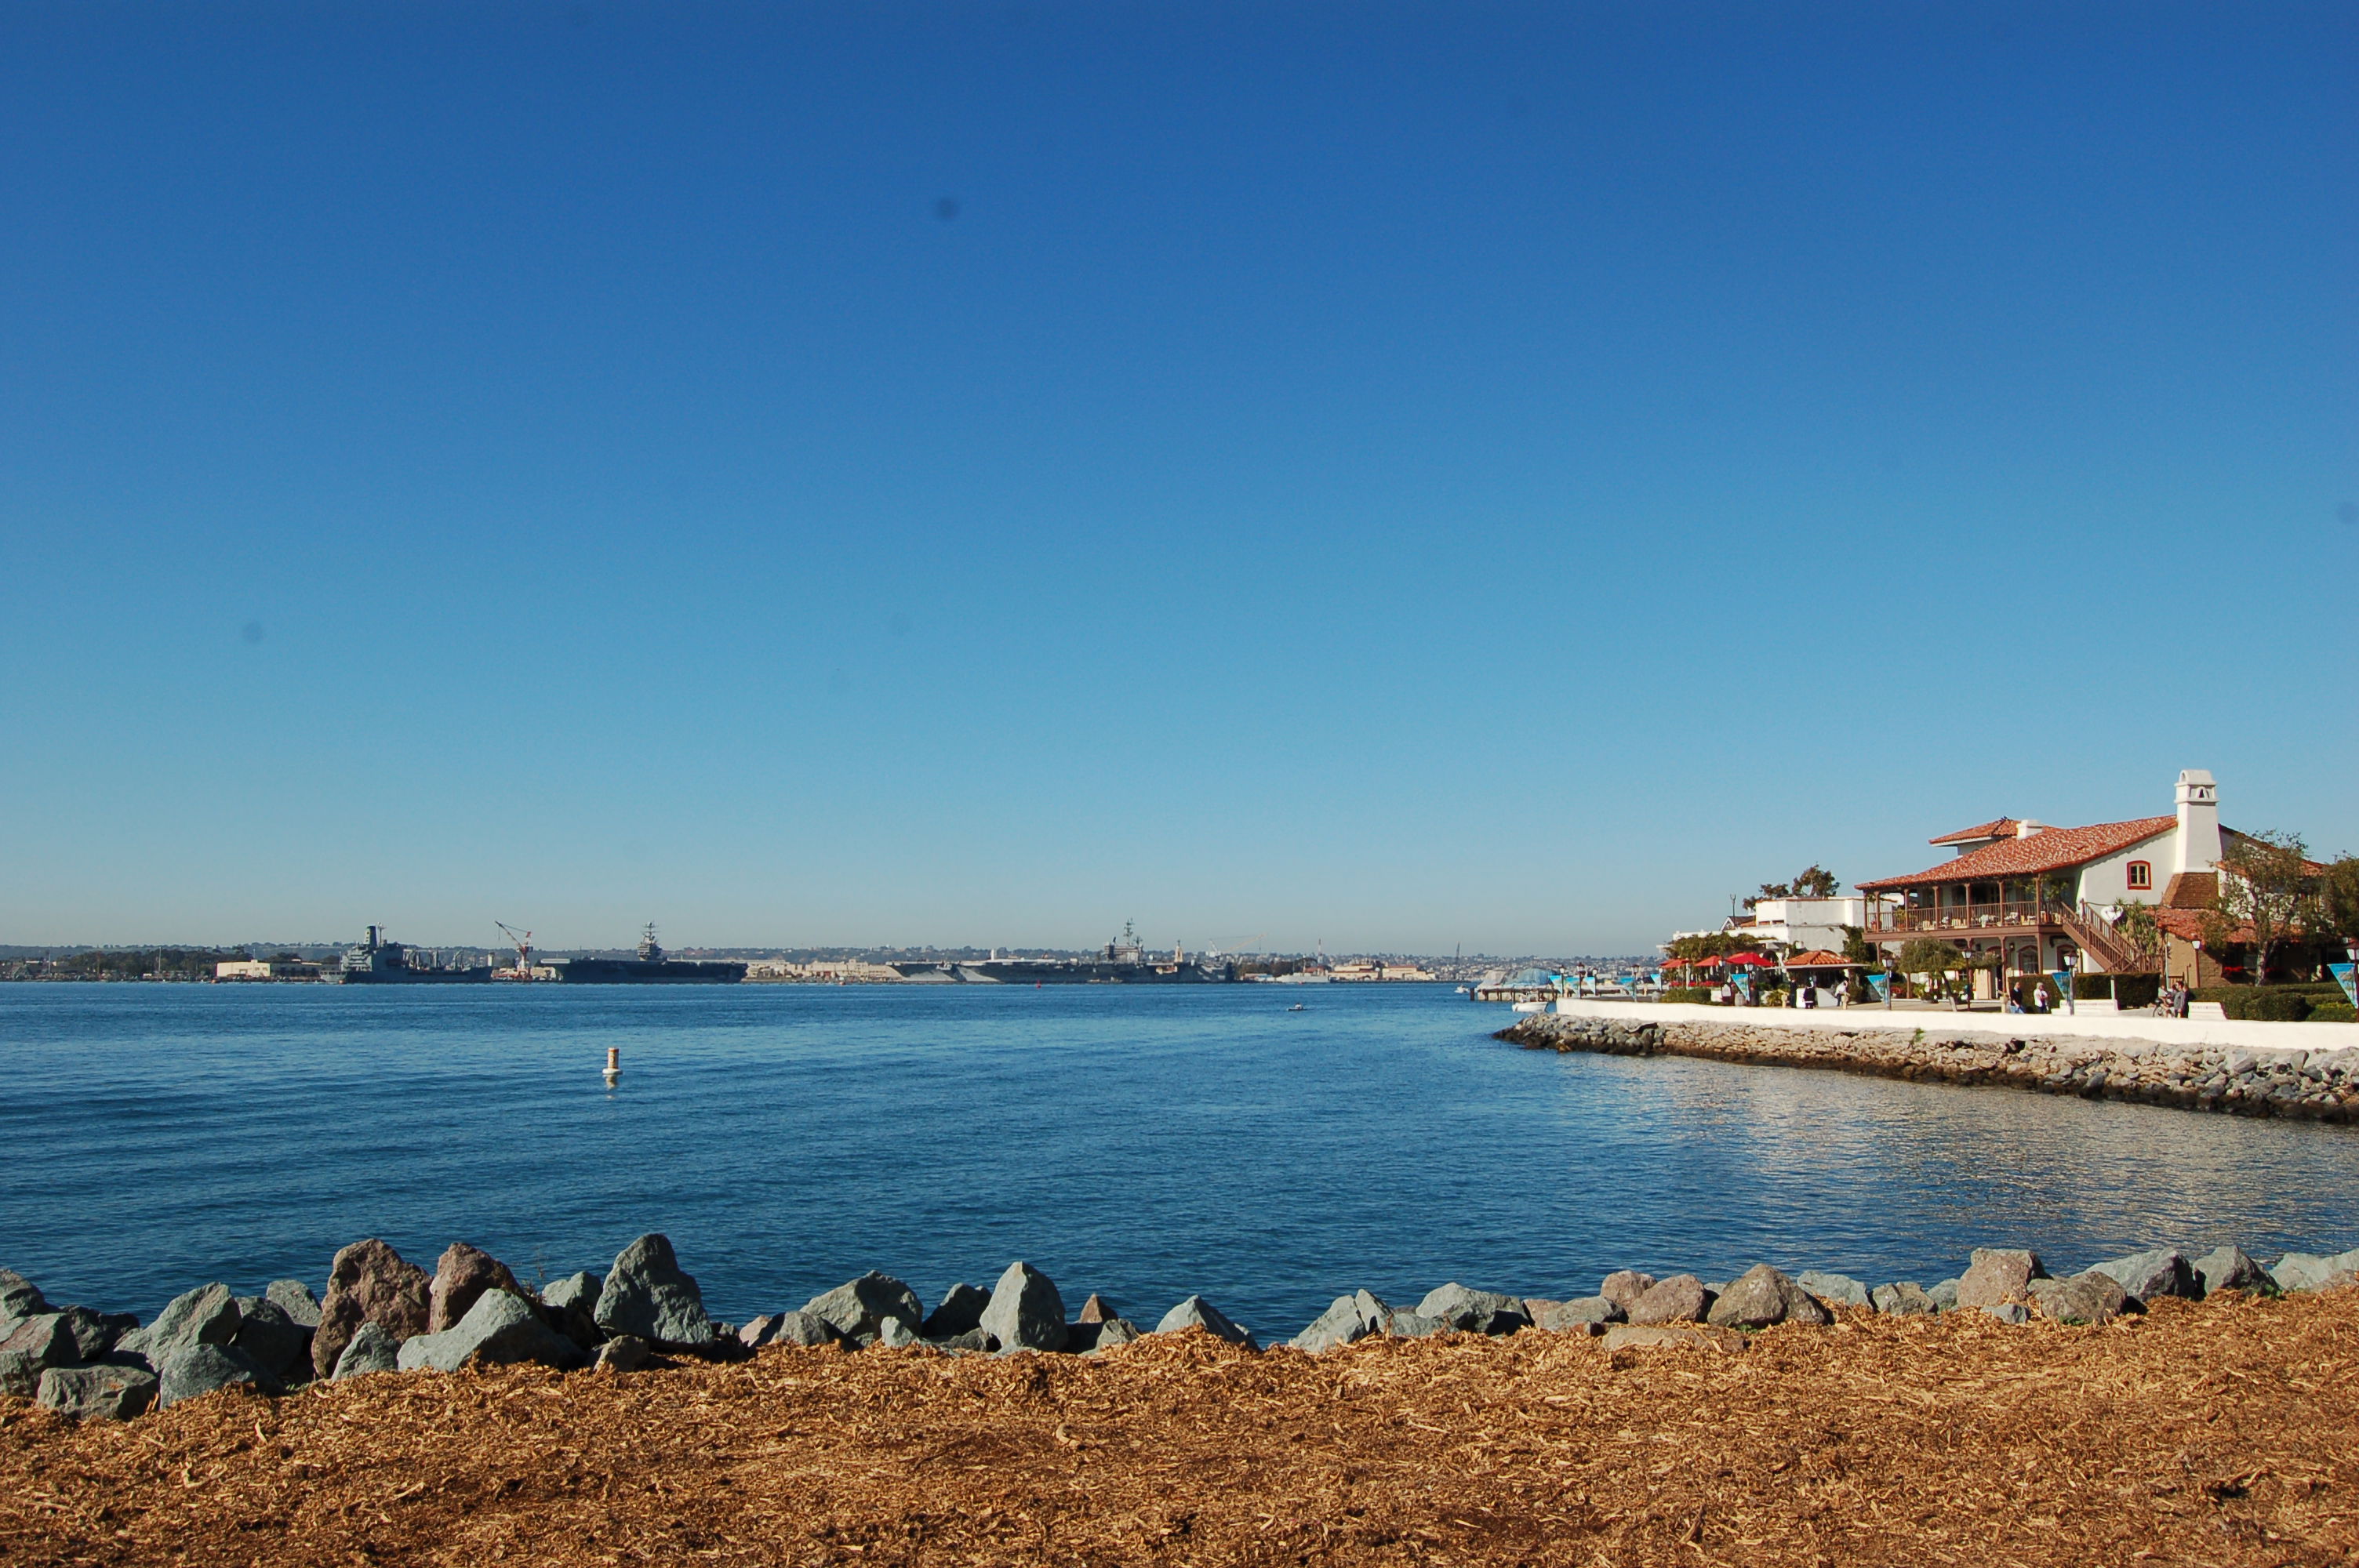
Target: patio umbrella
(1746, 961)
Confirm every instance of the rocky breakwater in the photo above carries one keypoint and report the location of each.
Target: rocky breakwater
(2312, 1086)
(383, 1315)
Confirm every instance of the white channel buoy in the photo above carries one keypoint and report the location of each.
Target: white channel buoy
(614, 1064)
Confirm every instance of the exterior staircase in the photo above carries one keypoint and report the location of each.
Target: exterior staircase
(2090, 933)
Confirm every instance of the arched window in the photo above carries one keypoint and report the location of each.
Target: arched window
(2141, 873)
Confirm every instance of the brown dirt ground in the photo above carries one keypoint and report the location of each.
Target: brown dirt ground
(2226, 1433)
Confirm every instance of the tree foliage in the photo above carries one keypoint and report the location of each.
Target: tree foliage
(1814, 882)
(2141, 929)
(2336, 914)
(1929, 956)
(1713, 944)
(2264, 884)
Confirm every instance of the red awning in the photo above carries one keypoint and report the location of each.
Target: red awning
(1746, 960)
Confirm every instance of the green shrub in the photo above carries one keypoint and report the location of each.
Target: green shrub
(2273, 1005)
(2332, 1012)
(1687, 993)
(2270, 1004)
(2133, 991)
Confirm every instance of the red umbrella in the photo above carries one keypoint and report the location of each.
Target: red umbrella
(1746, 960)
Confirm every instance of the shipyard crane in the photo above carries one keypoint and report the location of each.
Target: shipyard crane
(523, 946)
(1233, 949)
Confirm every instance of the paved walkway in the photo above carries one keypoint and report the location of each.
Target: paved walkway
(2121, 1026)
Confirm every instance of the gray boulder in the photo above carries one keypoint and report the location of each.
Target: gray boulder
(370, 1349)
(2300, 1271)
(648, 1294)
(961, 1311)
(45, 1339)
(1026, 1311)
(1835, 1290)
(1095, 1310)
(625, 1353)
(206, 1315)
(1198, 1312)
(2232, 1268)
(1584, 1314)
(110, 1392)
(1999, 1275)
(272, 1340)
(1943, 1294)
(1625, 1286)
(1413, 1326)
(19, 1299)
(201, 1367)
(2144, 1276)
(2010, 1312)
(499, 1329)
(1474, 1312)
(975, 1341)
(1351, 1318)
(570, 1307)
(294, 1298)
(2090, 1297)
(893, 1333)
(20, 1374)
(860, 1308)
(1907, 1299)
(581, 1287)
(790, 1328)
(1682, 1298)
(1762, 1296)
(96, 1333)
(1104, 1334)
(369, 1282)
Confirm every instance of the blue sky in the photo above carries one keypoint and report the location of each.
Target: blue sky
(1392, 476)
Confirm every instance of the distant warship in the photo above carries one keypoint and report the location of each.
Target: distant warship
(377, 962)
(650, 968)
(1124, 963)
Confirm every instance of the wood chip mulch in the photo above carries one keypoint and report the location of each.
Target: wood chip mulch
(2225, 1432)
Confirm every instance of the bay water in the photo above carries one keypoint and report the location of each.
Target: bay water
(1142, 1143)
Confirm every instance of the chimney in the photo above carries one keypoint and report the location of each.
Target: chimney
(2027, 827)
(2197, 845)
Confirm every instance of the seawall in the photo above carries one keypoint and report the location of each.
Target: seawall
(2102, 1061)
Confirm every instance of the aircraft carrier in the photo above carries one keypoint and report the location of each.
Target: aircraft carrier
(1124, 963)
(651, 968)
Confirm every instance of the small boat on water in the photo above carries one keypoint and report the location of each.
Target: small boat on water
(1296, 1008)
(1531, 1007)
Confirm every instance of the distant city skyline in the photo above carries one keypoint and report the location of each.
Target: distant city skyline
(1405, 478)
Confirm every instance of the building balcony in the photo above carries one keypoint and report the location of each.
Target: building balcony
(1967, 919)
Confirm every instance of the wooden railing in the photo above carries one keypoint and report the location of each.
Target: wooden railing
(1967, 918)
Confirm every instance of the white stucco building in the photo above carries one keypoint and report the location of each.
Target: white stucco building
(1799, 925)
(2043, 898)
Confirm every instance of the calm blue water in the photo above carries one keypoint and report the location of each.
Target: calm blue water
(1139, 1142)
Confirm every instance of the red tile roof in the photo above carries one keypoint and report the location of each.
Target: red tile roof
(2002, 828)
(1820, 958)
(2051, 850)
(2187, 924)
